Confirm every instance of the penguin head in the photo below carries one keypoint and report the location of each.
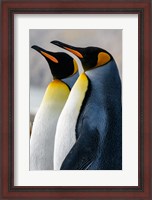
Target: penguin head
(91, 57)
(61, 64)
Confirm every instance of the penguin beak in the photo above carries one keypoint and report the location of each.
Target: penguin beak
(37, 48)
(75, 50)
(45, 53)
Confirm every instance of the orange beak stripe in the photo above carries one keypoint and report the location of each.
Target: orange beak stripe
(74, 52)
(49, 57)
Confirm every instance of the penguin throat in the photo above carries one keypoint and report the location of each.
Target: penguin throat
(86, 68)
(56, 91)
(92, 68)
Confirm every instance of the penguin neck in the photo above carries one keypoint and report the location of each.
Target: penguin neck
(57, 91)
(106, 78)
(68, 120)
(71, 80)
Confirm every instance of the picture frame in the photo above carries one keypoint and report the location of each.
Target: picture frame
(9, 9)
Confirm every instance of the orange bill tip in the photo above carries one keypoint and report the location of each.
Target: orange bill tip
(49, 57)
(74, 52)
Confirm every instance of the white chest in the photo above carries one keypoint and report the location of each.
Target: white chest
(44, 127)
(65, 136)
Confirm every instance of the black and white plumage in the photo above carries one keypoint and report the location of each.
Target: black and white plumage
(62, 66)
(98, 125)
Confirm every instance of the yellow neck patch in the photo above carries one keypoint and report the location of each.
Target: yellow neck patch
(103, 58)
(56, 91)
(81, 84)
(75, 66)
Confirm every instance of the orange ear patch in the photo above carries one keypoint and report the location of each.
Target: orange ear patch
(49, 57)
(103, 58)
(74, 52)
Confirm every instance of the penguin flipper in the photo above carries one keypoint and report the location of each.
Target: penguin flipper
(83, 153)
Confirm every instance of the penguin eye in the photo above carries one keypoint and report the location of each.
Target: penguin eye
(103, 58)
(52, 58)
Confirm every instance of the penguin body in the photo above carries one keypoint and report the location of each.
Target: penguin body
(44, 125)
(98, 130)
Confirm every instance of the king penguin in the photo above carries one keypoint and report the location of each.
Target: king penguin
(62, 66)
(94, 121)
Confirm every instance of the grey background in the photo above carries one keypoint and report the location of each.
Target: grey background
(40, 75)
